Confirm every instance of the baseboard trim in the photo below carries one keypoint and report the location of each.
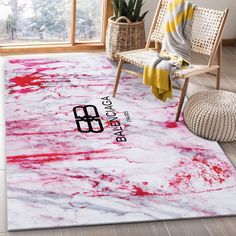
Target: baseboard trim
(229, 42)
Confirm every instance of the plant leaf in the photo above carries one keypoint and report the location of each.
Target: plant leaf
(125, 8)
(130, 9)
(121, 7)
(142, 16)
(115, 7)
(137, 10)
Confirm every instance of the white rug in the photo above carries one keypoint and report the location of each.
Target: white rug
(110, 160)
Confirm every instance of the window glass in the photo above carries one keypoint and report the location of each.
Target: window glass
(34, 21)
(89, 20)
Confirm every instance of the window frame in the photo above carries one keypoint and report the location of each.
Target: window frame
(70, 46)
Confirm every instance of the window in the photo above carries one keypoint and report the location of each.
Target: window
(40, 22)
(89, 20)
(35, 21)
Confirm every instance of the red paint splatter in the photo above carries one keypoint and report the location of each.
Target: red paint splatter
(77, 176)
(27, 80)
(22, 91)
(95, 183)
(39, 70)
(138, 191)
(171, 125)
(44, 160)
(203, 169)
(20, 124)
(145, 183)
(42, 133)
(84, 75)
(217, 169)
(105, 189)
(107, 177)
(180, 179)
(33, 82)
(47, 157)
(32, 62)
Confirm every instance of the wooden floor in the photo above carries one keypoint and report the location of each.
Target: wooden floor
(225, 226)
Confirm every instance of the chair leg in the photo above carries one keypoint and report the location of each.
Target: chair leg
(181, 101)
(117, 77)
(218, 77)
(219, 61)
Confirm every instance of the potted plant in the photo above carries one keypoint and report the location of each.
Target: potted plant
(125, 30)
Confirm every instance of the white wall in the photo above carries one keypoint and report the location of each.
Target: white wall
(149, 5)
(230, 29)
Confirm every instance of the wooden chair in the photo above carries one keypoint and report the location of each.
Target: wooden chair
(206, 38)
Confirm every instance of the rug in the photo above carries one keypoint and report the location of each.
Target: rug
(77, 156)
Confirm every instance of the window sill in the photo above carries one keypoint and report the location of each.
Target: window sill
(11, 50)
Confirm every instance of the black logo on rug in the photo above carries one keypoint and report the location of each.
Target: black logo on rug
(87, 119)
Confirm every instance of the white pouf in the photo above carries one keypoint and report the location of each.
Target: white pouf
(212, 115)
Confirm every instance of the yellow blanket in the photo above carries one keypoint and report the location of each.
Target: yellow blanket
(175, 51)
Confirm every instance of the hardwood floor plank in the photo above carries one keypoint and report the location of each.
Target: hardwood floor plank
(228, 225)
(106, 230)
(197, 227)
(212, 226)
(139, 229)
(150, 229)
(50, 232)
(230, 149)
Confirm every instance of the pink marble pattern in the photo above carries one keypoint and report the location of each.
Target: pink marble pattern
(58, 176)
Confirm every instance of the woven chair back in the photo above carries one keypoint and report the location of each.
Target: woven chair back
(206, 27)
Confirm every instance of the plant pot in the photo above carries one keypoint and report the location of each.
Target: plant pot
(123, 36)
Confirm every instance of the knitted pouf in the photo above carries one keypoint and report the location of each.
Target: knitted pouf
(212, 115)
